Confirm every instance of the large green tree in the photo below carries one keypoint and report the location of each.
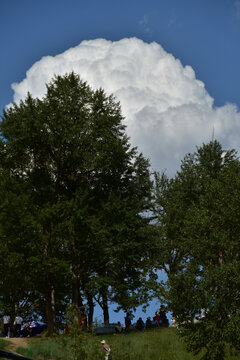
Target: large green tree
(201, 224)
(86, 191)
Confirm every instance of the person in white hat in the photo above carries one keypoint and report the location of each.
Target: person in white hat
(106, 347)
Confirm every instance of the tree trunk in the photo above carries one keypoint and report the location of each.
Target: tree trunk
(90, 310)
(105, 310)
(49, 288)
(76, 297)
(76, 283)
(50, 308)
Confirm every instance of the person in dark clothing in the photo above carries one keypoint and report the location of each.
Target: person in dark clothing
(128, 322)
(27, 331)
(140, 324)
(163, 317)
(148, 323)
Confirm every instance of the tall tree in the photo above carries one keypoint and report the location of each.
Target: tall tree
(204, 287)
(89, 189)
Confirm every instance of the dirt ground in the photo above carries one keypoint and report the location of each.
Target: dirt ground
(14, 343)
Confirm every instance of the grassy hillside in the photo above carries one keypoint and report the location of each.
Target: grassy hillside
(159, 344)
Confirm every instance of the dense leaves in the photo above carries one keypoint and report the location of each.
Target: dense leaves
(80, 222)
(74, 201)
(199, 233)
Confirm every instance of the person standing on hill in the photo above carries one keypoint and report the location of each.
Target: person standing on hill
(149, 324)
(17, 325)
(157, 318)
(128, 322)
(140, 324)
(163, 317)
(6, 324)
(106, 347)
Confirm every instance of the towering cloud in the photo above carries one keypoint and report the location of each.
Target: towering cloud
(167, 110)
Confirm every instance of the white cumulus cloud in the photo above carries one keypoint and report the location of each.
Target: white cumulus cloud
(168, 112)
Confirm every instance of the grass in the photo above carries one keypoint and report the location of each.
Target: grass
(158, 344)
(3, 344)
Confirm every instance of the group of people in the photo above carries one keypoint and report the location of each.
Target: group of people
(17, 325)
(159, 320)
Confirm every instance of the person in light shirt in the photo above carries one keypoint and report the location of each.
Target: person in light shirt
(6, 324)
(106, 347)
(17, 325)
(119, 328)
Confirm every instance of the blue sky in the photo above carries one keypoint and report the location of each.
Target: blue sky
(204, 34)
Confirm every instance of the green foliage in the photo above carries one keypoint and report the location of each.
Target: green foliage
(199, 215)
(3, 344)
(159, 344)
(74, 197)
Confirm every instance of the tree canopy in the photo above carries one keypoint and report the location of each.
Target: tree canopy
(81, 223)
(199, 236)
(75, 195)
